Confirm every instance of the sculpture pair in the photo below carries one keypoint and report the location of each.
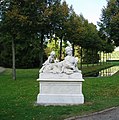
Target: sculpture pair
(67, 66)
(60, 83)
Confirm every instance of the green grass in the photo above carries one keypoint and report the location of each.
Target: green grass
(17, 98)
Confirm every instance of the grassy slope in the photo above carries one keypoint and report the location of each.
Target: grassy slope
(17, 98)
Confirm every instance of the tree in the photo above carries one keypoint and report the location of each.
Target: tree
(74, 29)
(109, 22)
(91, 43)
(50, 18)
(18, 23)
(58, 19)
(30, 22)
(114, 29)
(11, 28)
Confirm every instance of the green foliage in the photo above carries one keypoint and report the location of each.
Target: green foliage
(5, 52)
(109, 22)
(74, 28)
(114, 26)
(27, 23)
(27, 53)
(91, 39)
(58, 18)
(90, 56)
(54, 45)
(18, 26)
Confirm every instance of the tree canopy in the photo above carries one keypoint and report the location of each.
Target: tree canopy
(27, 23)
(109, 22)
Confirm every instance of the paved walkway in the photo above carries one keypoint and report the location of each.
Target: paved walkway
(2, 69)
(108, 114)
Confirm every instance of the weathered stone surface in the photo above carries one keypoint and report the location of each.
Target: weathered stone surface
(60, 83)
(60, 92)
(76, 75)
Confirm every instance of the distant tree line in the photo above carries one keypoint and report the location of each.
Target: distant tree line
(24, 25)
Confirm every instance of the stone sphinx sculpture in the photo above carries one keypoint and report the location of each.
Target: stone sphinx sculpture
(67, 66)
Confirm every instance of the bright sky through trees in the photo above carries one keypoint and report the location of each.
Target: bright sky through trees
(91, 9)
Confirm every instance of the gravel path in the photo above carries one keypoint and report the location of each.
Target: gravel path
(108, 114)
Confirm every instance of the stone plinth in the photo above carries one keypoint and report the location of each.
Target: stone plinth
(60, 90)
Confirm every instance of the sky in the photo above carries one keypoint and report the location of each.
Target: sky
(90, 9)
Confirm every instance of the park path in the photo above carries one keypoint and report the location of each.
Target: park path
(108, 114)
(2, 69)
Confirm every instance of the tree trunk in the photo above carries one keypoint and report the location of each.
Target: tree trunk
(100, 58)
(87, 58)
(106, 58)
(92, 57)
(97, 56)
(81, 60)
(13, 61)
(60, 56)
(103, 57)
(41, 50)
(73, 50)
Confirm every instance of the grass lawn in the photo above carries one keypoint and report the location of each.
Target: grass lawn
(17, 98)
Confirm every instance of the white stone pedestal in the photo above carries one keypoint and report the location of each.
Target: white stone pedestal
(60, 91)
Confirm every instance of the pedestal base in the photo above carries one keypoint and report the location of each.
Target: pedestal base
(60, 99)
(60, 92)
